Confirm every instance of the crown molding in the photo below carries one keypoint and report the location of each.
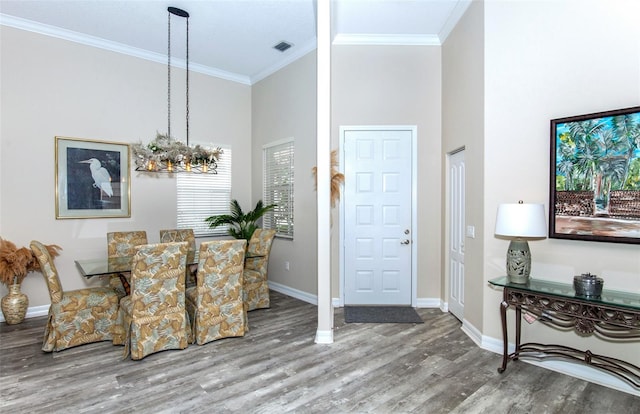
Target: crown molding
(69, 35)
(387, 40)
(296, 54)
(455, 16)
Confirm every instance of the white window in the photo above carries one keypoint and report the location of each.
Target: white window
(277, 187)
(202, 195)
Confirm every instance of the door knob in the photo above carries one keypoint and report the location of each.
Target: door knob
(406, 241)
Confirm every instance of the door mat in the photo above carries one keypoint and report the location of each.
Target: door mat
(381, 314)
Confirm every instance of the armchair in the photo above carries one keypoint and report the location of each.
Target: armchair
(76, 317)
(256, 287)
(179, 235)
(215, 304)
(153, 317)
(121, 244)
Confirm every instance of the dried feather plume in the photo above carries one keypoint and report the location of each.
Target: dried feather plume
(16, 263)
(337, 178)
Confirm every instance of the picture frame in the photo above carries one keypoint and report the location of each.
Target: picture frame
(92, 179)
(594, 185)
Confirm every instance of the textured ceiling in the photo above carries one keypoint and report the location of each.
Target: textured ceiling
(232, 39)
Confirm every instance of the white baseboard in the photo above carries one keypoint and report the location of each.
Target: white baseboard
(324, 337)
(294, 293)
(428, 303)
(576, 370)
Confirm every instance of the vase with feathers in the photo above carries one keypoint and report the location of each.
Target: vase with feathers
(15, 265)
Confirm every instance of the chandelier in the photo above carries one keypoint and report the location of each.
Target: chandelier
(165, 154)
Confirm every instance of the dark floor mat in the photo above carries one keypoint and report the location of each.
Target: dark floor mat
(381, 314)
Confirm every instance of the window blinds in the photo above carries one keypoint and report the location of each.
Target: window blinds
(278, 178)
(203, 195)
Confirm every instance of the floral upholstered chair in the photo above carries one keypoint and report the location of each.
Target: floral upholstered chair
(75, 317)
(216, 303)
(179, 235)
(153, 317)
(256, 288)
(122, 244)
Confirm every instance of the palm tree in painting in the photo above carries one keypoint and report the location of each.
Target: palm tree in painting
(611, 166)
(627, 128)
(565, 163)
(587, 151)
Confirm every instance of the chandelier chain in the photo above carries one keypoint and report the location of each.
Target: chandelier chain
(187, 88)
(169, 75)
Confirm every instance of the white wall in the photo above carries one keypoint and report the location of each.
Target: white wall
(545, 60)
(54, 87)
(463, 127)
(284, 106)
(396, 85)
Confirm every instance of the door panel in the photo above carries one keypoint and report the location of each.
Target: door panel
(456, 233)
(377, 217)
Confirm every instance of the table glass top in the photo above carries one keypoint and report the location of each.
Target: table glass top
(105, 266)
(609, 297)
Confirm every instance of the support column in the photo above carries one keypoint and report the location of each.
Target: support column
(324, 334)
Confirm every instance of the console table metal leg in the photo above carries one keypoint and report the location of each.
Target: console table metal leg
(505, 353)
(518, 332)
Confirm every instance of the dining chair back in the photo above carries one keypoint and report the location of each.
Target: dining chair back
(178, 235)
(216, 303)
(256, 287)
(153, 316)
(76, 317)
(122, 244)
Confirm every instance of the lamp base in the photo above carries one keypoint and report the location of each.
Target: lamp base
(518, 262)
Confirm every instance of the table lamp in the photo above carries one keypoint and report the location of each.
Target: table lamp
(520, 222)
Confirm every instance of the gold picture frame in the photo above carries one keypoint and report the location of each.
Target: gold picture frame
(92, 179)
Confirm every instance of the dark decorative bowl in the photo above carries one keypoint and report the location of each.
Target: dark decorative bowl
(588, 285)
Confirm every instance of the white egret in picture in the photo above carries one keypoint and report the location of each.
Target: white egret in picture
(100, 175)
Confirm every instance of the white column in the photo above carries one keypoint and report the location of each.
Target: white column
(324, 334)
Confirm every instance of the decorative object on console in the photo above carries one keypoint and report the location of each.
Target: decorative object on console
(165, 154)
(519, 222)
(594, 188)
(15, 264)
(588, 285)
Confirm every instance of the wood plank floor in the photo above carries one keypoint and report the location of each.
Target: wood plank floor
(277, 368)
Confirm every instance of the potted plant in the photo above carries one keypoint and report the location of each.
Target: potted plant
(241, 225)
(15, 264)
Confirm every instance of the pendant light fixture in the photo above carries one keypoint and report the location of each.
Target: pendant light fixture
(165, 154)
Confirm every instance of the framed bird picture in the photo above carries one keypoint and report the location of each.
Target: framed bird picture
(92, 179)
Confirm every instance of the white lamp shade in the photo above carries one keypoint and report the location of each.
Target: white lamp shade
(521, 220)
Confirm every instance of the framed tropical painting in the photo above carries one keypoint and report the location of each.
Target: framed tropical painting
(595, 177)
(92, 179)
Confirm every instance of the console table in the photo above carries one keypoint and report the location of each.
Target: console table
(614, 315)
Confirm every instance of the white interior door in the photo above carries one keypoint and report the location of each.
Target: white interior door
(377, 217)
(456, 189)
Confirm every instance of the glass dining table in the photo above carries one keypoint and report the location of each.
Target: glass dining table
(104, 266)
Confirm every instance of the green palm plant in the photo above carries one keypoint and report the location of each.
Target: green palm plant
(241, 225)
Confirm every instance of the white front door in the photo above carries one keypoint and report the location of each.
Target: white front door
(377, 216)
(456, 180)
